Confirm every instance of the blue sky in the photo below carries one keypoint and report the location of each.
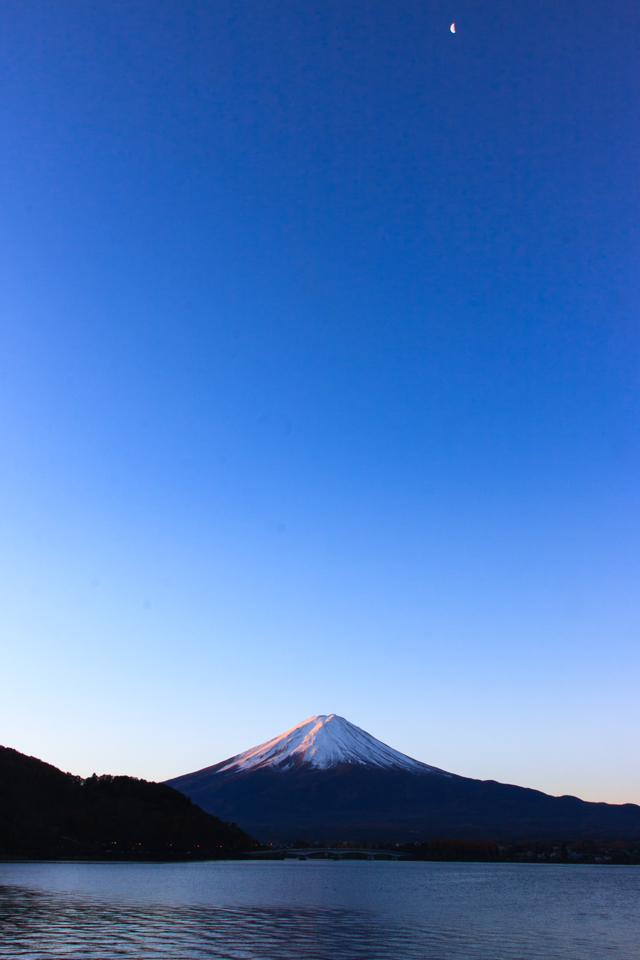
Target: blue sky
(319, 383)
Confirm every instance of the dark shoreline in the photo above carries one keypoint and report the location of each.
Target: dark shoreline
(599, 853)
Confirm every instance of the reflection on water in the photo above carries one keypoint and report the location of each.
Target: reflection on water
(319, 911)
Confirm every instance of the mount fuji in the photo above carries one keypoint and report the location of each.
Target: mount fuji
(327, 779)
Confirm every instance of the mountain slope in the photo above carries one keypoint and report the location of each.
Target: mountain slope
(327, 779)
(47, 813)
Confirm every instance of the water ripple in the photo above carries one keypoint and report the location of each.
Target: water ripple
(397, 912)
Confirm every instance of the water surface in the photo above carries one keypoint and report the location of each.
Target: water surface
(353, 910)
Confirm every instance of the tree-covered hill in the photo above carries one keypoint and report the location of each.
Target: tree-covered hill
(45, 813)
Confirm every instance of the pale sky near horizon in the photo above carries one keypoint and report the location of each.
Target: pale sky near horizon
(319, 383)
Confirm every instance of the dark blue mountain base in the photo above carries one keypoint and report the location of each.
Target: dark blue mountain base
(358, 802)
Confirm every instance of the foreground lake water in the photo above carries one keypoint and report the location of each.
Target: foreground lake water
(357, 910)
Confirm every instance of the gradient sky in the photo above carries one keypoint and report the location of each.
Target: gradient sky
(319, 382)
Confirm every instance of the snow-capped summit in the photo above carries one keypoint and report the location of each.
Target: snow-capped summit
(323, 742)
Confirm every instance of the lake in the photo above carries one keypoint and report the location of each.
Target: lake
(320, 910)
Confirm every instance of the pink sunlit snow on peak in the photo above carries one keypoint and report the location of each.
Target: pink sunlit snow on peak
(323, 742)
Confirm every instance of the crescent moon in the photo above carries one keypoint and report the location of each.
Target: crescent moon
(452, 28)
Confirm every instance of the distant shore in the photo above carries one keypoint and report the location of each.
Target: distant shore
(445, 850)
